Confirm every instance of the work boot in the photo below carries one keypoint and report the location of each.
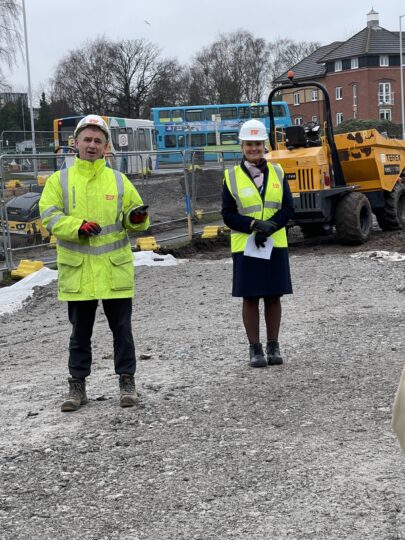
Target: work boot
(128, 395)
(273, 353)
(257, 358)
(77, 395)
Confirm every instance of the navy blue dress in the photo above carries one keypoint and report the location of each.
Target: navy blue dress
(254, 277)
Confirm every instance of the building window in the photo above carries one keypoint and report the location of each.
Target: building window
(354, 63)
(338, 65)
(314, 119)
(385, 114)
(339, 118)
(298, 121)
(314, 95)
(384, 60)
(297, 100)
(338, 92)
(385, 96)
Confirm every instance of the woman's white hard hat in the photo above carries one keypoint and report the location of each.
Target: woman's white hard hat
(253, 130)
(92, 120)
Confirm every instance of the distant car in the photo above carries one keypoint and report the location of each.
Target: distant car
(23, 222)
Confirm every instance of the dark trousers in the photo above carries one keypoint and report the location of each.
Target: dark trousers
(82, 315)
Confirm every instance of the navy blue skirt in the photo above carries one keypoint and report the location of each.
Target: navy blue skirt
(261, 277)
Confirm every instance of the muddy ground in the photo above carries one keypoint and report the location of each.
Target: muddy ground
(214, 449)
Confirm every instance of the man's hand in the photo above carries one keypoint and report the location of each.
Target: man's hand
(267, 227)
(138, 215)
(260, 239)
(89, 228)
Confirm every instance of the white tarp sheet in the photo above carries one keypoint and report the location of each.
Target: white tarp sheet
(12, 298)
(381, 255)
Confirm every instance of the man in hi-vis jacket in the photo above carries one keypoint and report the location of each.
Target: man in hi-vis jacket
(88, 208)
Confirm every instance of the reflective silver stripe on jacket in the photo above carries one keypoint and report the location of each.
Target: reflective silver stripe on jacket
(93, 250)
(50, 211)
(234, 187)
(65, 192)
(249, 209)
(107, 229)
(120, 190)
(54, 220)
(280, 173)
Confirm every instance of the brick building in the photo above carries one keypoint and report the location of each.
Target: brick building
(361, 75)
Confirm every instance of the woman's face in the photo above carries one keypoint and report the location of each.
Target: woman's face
(253, 150)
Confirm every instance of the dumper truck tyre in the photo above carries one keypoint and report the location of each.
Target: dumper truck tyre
(392, 216)
(353, 219)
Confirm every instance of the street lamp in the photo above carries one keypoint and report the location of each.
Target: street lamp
(402, 77)
(29, 89)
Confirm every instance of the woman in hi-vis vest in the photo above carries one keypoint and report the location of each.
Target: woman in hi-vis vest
(256, 206)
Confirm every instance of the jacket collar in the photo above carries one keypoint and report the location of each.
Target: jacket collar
(89, 168)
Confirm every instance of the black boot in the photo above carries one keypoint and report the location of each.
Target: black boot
(128, 395)
(77, 395)
(257, 358)
(274, 357)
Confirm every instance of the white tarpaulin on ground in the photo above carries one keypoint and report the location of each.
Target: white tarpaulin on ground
(12, 298)
(381, 255)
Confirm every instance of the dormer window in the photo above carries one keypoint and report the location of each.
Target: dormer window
(384, 60)
(338, 65)
(354, 63)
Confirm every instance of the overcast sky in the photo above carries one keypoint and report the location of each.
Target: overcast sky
(182, 27)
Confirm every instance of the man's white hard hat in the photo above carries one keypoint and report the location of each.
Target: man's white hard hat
(253, 130)
(92, 120)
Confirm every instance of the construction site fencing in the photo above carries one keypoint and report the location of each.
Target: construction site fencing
(182, 197)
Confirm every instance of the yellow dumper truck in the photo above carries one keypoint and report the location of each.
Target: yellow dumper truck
(340, 180)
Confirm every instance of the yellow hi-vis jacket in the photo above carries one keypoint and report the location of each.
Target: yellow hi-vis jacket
(100, 267)
(250, 203)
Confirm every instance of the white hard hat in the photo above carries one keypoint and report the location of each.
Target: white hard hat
(92, 120)
(253, 130)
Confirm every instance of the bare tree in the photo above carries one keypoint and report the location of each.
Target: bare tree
(10, 35)
(285, 53)
(233, 69)
(83, 79)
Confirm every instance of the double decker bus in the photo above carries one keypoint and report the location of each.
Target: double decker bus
(128, 135)
(212, 130)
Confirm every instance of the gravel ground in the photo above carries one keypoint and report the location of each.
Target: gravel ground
(214, 450)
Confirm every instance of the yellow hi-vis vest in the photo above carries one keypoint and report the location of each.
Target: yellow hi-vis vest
(250, 203)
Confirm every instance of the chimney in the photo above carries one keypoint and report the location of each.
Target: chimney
(372, 19)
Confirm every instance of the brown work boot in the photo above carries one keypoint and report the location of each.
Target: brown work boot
(77, 395)
(128, 395)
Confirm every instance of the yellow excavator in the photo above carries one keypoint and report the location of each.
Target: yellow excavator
(339, 181)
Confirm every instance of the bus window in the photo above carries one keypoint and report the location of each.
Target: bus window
(144, 141)
(170, 141)
(198, 139)
(259, 112)
(164, 116)
(177, 115)
(180, 141)
(229, 138)
(154, 138)
(244, 112)
(210, 112)
(228, 112)
(114, 138)
(195, 115)
(211, 139)
(279, 110)
(130, 134)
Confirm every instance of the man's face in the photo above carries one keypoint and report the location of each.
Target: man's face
(91, 143)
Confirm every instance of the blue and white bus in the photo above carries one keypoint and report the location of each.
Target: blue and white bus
(209, 128)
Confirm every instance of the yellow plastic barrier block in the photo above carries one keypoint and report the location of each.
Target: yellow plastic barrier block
(25, 268)
(199, 213)
(225, 229)
(210, 231)
(11, 184)
(147, 243)
(52, 241)
(41, 179)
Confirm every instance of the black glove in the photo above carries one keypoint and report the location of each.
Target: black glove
(89, 228)
(267, 227)
(260, 239)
